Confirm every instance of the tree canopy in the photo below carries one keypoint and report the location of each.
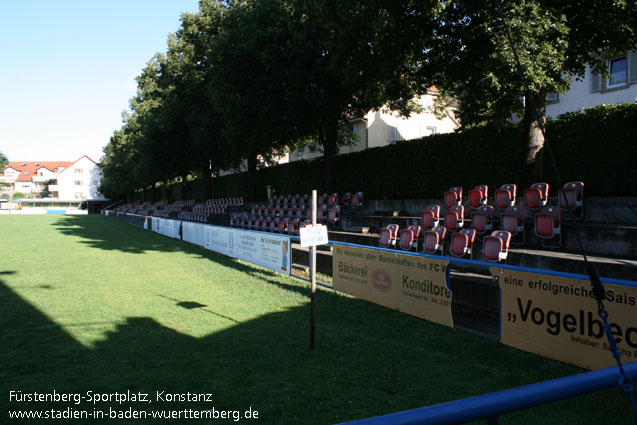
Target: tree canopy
(244, 81)
(4, 161)
(554, 39)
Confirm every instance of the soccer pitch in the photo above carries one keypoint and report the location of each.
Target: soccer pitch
(107, 323)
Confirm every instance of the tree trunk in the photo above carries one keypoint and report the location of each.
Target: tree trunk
(532, 153)
(207, 180)
(184, 191)
(330, 150)
(252, 177)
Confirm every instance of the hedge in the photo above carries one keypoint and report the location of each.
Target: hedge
(597, 146)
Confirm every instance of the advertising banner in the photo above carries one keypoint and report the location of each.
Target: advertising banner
(266, 250)
(192, 233)
(410, 284)
(166, 227)
(556, 317)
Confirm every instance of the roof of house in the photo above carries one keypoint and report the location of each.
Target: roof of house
(28, 169)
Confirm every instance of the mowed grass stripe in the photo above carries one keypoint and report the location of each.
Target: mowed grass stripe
(91, 303)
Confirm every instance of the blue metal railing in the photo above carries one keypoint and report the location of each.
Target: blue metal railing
(492, 405)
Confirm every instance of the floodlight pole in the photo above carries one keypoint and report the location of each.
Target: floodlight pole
(313, 275)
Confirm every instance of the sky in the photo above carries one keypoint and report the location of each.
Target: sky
(68, 68)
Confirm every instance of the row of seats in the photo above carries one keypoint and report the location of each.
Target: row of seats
(495, 245)
(284, 225)
(570, 197)
(349, 200)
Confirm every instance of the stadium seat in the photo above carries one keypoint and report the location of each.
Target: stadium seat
(512, 220)
(334, 215)
(505, 196)
(454, 218)
(409, 238)
(431, 217)
(332, 200)
(434, 240)
(478, 196)
(345, 199)
(462, 242)
(389, 235)
(496, 246)
(548, 226)
(293, 226)
(356, 202)
(385, 239)
(283, 225)
(536, 196)
(570, 198)
(482, 220)
(453, 196)
(321, 214)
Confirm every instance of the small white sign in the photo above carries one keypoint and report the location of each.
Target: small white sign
(313, 235)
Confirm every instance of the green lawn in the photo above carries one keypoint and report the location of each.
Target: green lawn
(89, 303)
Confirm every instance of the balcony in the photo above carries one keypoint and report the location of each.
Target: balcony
(54, 188)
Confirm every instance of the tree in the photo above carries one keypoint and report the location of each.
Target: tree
(555, 39)
(300, 69)
(4, 161)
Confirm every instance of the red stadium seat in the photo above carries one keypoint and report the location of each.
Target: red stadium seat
(536, 196)
(548, 226)
(434, 240)
(293, 226)
(356, 202)
(453, 196)
(570, 198)
(478, 196)
(431, 217)
(462, 242)
(482, 220)
(346, 198)
(512, 220)
(321, 214)
(332, 200)
(505, 196)
(409, 238)
(496, 246)
(385, 238)
(454, 218)
(334, 215)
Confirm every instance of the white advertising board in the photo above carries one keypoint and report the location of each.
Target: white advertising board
(266, 250)
(193, 232)
(166, 227)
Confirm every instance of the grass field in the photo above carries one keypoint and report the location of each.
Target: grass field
(90, 305)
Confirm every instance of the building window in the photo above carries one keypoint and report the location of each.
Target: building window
(394, 134)
(552, 97)
(78, 195)
(618, 68)
(78, 170)
(78, 183)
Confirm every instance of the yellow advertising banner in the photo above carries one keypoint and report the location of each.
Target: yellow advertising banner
(410, 284)
(556, 317)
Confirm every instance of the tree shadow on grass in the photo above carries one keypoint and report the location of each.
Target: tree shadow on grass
(108, 234)
(369, 361)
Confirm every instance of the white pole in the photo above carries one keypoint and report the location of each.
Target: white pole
(313, 274)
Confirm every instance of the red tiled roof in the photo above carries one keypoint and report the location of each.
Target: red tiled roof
(32, 168)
